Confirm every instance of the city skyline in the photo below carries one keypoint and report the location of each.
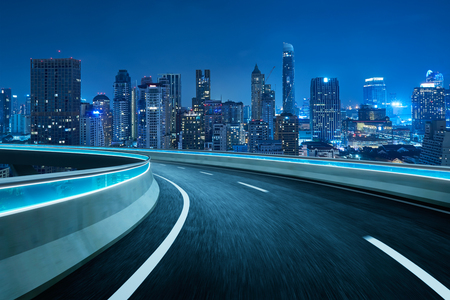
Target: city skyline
(327, 44)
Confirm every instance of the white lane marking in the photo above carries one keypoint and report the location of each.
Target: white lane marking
(205, 173)
(131, 285)
(412, 267)
(253, 187)
(161, 164)
(181, 168)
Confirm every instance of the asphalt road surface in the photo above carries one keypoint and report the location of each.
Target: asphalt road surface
(255, 236)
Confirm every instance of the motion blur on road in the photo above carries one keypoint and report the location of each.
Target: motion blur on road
(256, 236)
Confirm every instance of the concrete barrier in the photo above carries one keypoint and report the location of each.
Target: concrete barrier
(38, 247)
(421, 188)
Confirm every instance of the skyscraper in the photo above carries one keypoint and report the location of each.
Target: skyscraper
(202, 90)
(5, 110)
(55, 101)
(258, 131)
(427, 104)
(152, 131)
(91, 126)
(174, 93)
(288, 79)
(122, 108)
(325, 109)
(102, 104)
(257, 88)
(268, 108)
(375, 92)
(232, 112)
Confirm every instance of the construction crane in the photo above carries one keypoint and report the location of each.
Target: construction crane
(270, 73)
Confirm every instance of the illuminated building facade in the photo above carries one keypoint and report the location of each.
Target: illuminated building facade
(257, 89)
(91, 126)
(427, 104)
(288, 79)
(258, 131)
(232, 112)
(55, 101)
(286, 131)
(102, 104)
(436, 144)
(122, 108)
(325, 110)
(375, 92)
(5, 110)
(436, 78)
(191, 131)
(268, 108)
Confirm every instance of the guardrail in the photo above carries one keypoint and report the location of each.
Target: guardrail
(52, 224)
(430, 184)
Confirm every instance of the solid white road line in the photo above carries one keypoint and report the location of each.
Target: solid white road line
(412, 267)
(131, 285)
(181, 168)
(205, 173)
(253, 187)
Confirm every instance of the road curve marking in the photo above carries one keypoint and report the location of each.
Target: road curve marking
(412, 267)
(205, 173)
(254, 187)
(131, 285)
(181, 168)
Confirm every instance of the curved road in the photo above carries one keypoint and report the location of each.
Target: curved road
(255, 236)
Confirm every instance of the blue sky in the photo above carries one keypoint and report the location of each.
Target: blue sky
(350, 40)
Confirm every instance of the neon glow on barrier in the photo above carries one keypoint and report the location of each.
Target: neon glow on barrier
(18, 197)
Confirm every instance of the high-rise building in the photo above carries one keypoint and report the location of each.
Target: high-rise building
(235, 135)
(202, 90)
(436, 78)
(375, 92)
(212, 115)
(287, 131)
(288, 79)
(232, 112)
(122, 108)
(20, 124)
(102, 104)
(257, 88)
(191, 131)
(436, 144)
(247, 113)
(91, 126)
(258, 132)
(5, 110)
(427, 104)
(152, 131)
(174, 92)
(325, 109)
(55, 101)
(133, 113)
(268, 108)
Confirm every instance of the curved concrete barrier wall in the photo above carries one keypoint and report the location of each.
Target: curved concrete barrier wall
(420, 188)
(42, 245)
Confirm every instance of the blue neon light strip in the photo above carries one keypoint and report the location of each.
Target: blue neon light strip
(362, 166)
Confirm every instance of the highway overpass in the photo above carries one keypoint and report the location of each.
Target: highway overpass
(223, 226)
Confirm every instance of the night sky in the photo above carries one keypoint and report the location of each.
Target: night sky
(351, 40)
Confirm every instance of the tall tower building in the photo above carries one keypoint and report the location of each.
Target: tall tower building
(202, 90)
(427, 104)
(268, 108)
(122, 108)
(152, 116)
(91, 126)
(174, 92)
(102, 104)
(375, 92)
(257, 91)
(258, 132)
(232, 112)
(5, 110)
(325, 109)
(55, 101)
(288, 79)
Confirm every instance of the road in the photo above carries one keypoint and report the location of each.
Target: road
(255, 236)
